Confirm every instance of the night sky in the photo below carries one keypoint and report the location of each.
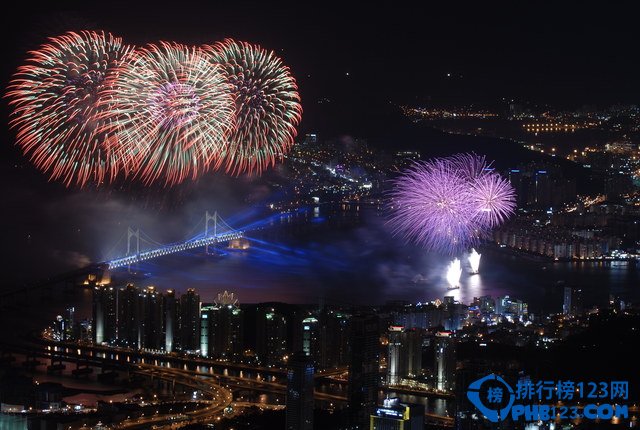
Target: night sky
(565, 53)
(361, 59)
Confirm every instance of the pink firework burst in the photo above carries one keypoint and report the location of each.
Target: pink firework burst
(56, 101)
(172, 110)
(267, 105)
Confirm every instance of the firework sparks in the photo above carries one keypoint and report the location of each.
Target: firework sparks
(89, 109)
(474, 261)
(454, 272)
(494, 198)
(267, 105)
(56, 101)
(449, 204)
(431, 207)
(173, 111)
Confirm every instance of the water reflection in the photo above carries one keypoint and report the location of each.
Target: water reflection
(10, 422)
(432, 406)
(350, 258)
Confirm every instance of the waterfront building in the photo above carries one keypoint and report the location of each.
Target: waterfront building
(445, 361)
(190, 321)
(129, 317)
(405, 354)
(395, 353)
(221, 331)
(170, 320)
(104, 314)
(206, 316)
(152, 308)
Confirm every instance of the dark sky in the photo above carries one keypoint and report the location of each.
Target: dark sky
(557, 52)
(360, 58)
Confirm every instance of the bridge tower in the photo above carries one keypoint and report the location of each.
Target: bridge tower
(131, 233)
(208, 217)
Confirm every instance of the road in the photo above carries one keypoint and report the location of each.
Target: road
(254, 384)
(217, 399)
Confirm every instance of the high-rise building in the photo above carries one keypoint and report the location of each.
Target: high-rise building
(454, 314)
(486, 304)
(64, 326)
(221, 331)
(300, 384)
(577, 301)
(105, 308)
(445, 361)
(395, 352)
(543, 189)
(170, 320)
(129, 317)
(566, 302)
(364, 362)
(411, 353)
(311, 338)
(206, 319)
(517, 182)
(425, 315)
(227, 331)
(511, 308)
(334, 338)
(271, 345)
(69, 324)
(405, 354)
(310, 139)
(571, 301)
(58, 328)
(152, 304)
(394, 415)
(190, 321)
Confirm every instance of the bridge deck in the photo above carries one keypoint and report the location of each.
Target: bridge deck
(172, 249)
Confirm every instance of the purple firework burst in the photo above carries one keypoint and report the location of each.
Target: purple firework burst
(449, 204)
(471, 166)
(433, 208)
(494, 198)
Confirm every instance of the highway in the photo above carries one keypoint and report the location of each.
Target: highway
(217, 386)
(247, 383)
(217, 399)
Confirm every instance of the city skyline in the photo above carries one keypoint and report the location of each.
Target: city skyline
(247, 216)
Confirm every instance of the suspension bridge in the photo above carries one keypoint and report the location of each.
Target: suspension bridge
(216, 230)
